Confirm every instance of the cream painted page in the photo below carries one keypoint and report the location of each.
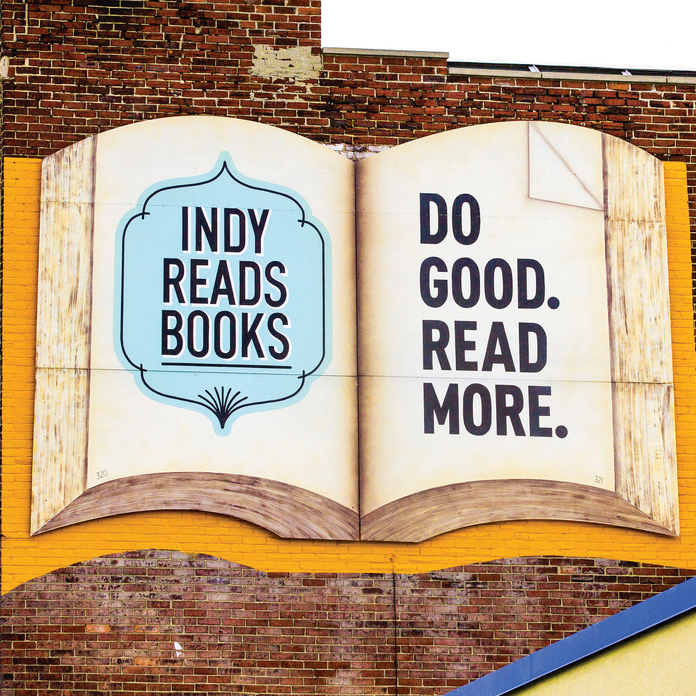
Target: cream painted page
(310, 443)
(482, 310)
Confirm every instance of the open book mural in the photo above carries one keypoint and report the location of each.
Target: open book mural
(468, 328)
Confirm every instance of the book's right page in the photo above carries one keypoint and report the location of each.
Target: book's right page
(489, 299)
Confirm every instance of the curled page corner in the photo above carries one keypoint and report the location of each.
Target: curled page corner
(563, 169)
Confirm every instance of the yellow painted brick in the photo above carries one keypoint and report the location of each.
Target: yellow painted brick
(25, 557)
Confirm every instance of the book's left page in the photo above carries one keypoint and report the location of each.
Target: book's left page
(197, 346)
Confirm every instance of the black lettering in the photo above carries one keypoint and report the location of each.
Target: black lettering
(440, 286)
(536, 412)
(474, 283)
(281, 338)
(426, 236)
(432, 409)
(474, 219)
(204, 324)
(277, 284)
(195, 282)
(244, 285)
(435, 346)
(526, 365)
(222, 285)
(172, 332)
(505, 411)
(249, 335)
(227, 214)
(232, 335)
(184, 228)
(461, 345)
(210, 229)
(523, 299)
(259, 227)
(489, 283)
(484, 396)
(495, 356)
(173, 281)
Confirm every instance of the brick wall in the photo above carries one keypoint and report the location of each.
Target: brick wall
(113, 624)
(78, 68)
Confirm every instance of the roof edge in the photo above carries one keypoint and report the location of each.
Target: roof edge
(560, 72)
(440, 55)
(603, 635)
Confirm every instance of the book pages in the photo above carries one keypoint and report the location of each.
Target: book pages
(483, 312)
(311, 443)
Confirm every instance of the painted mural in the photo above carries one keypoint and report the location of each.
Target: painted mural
(449, 333)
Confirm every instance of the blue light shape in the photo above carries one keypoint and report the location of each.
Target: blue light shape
(222, 298)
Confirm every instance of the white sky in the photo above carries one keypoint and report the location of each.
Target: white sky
(595, 33)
